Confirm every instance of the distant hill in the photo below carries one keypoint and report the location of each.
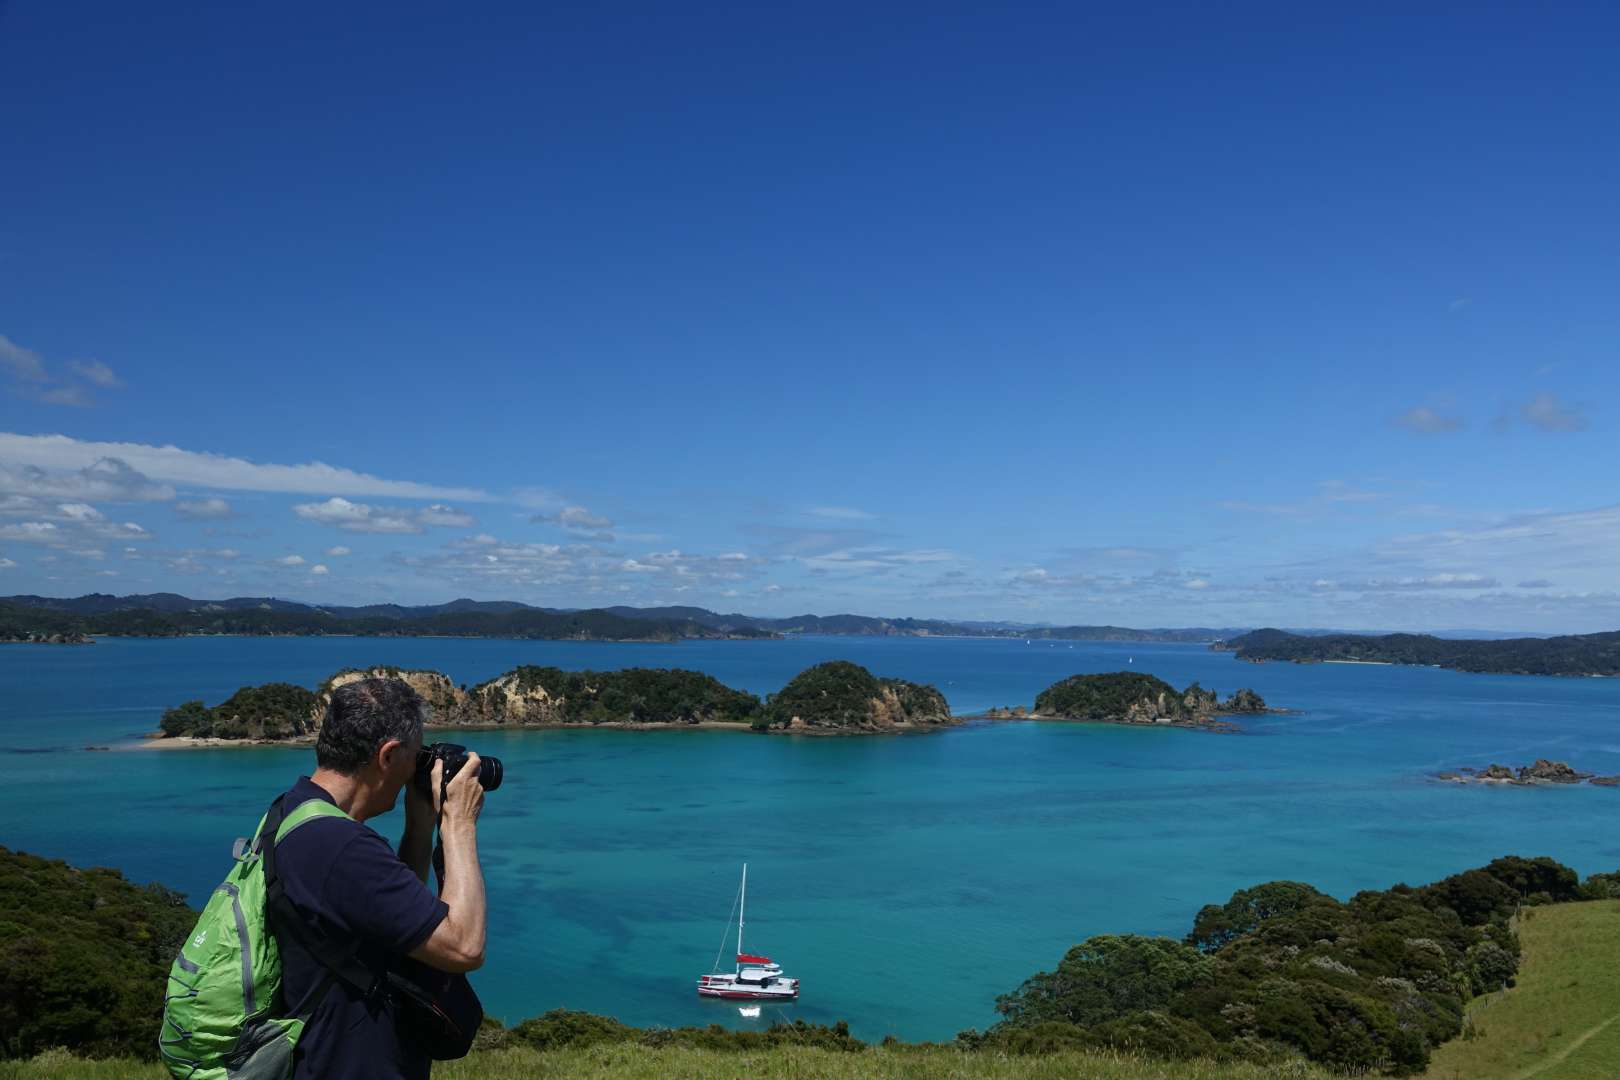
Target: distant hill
(506, 618)
(1570, 654)
(17, 621)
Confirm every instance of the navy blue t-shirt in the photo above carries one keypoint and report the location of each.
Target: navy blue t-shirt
(347, 882)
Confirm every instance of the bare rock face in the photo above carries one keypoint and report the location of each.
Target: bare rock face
(1497, 772)
(513, 699)
(1606, 781)
(1551, 772)
(449, 704)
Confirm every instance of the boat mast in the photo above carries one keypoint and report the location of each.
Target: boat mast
(742, 904)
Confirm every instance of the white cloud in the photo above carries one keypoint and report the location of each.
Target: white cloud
(96, 372)
(318, 568)
(31, 532)
(290, 560)
(1196, 583)
(31, 379)
(1548, 413)
(445, 516)
(337, 552)
(843, 513)
(20, 363)
(213, 509)
(579, 521)
(873, 559)
(174, 465)
(1425, 421)
(340, 513)
(6, 564)
(104, 479)
(578, 517)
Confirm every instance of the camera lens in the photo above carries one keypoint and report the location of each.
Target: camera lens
(490, 772)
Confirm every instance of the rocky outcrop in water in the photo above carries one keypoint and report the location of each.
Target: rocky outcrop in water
(1540, 771)
(40, 637)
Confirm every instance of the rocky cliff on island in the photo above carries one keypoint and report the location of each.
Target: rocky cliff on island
(1134, 697)
(829, 698)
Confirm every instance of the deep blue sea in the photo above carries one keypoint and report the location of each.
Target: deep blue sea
(906, 881)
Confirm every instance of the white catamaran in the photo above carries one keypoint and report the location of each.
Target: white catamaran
(756, 978)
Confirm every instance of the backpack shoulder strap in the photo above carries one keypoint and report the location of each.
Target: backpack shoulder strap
(340, 959)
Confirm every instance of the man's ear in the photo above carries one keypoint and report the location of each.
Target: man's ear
(388, 753)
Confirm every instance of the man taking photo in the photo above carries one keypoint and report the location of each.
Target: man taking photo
(363, 901)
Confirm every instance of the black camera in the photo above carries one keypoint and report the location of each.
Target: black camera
(454, 757)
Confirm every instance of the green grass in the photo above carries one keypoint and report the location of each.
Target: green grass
(1562, 1020)
(629, 1061)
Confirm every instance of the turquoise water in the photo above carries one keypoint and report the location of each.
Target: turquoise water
(907, 880)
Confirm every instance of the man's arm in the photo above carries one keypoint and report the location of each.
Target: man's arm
(416, 843)
(457, 943)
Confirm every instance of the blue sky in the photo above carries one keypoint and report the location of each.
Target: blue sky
(1176, 317)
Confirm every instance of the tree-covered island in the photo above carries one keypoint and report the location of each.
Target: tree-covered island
(1135, 697)
(834, 698)
(841, 698)
(1569, 654)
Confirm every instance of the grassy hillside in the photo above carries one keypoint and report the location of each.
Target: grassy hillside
(633, 1062)
(1562, 1020)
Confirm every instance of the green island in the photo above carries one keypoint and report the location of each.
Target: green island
(837, 697)
(1135, 697)
(832, 698)
(1569, 654)
(1506, 970)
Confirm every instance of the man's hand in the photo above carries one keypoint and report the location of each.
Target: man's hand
(464, 798)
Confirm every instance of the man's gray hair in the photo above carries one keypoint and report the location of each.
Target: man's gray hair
(363, 715)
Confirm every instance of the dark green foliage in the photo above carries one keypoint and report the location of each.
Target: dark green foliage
(835, 694)
(561, 1028)
(190, 718)
(567, 1027)
(1539, 881)
(839, 694)
(1475, 895)
(1136, 695)
(271, 711)
(1601, 887)
(1109, 697)
(84, 958)
(1368, 985)
(1574, 654)
(638, 696)
(1106, 977)
(1216, 925)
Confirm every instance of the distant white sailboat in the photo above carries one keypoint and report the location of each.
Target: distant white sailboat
(756, 978)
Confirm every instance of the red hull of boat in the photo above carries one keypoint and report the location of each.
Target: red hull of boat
(745, 995)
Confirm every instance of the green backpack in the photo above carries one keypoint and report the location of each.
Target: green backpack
(224, 1017)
